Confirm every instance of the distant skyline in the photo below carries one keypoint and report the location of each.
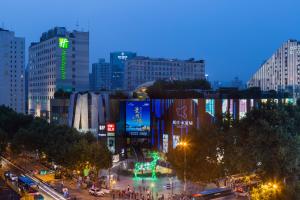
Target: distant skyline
(234, 37)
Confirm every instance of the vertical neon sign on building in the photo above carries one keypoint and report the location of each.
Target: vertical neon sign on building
(64, 45)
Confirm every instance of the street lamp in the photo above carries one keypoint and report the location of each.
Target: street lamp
(184, 145)
(152, 185)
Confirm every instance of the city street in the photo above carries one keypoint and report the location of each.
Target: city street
(47, 192)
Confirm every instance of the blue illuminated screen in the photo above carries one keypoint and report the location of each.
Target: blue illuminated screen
(138, 118)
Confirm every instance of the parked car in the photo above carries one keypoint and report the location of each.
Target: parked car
(96, 192)
(106, 191)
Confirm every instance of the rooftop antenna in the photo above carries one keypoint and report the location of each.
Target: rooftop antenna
(2, 25)
(77, 25)
(88, 25)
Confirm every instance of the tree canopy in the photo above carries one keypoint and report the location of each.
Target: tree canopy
(266, 142)
(63, 145)
(177, 89)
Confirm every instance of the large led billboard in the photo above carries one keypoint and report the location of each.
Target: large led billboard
(138, 118)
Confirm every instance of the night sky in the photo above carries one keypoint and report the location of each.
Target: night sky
(233, 36)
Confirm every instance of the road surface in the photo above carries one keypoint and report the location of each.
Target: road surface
(46, 191)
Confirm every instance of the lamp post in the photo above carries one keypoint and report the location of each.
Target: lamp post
(184, 145)
(152, 185)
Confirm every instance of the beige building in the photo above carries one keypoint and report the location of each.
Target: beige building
(60, 60)
(281, 72)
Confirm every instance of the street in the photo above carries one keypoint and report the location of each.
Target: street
(47, 192)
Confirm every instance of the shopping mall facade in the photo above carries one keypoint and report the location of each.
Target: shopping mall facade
(131, 125)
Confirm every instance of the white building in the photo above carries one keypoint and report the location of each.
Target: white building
(88, 110)
(140, 70)
(12, 77)
(281, 72)
(60, 60)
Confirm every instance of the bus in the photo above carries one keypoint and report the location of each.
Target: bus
(27, 185)
(212, 194)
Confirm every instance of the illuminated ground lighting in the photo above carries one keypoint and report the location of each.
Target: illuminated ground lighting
(147, 166)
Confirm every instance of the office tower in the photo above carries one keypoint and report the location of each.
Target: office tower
(281, 72)
(117, 61)
(59, 61)
(12, 83)
(101, 75)
(140, 70)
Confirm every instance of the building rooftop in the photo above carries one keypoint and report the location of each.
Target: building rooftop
(191, 60)
(2, 29)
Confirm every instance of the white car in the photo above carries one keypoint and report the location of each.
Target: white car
(96, 192)
(106, 191)
(13, 177)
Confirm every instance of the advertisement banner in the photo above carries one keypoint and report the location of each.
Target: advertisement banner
(138, 118)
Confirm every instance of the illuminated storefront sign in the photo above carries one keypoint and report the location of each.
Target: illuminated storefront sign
(210, 106)
(182, 120)
(182, 123)
(110, 127)
(176, 140)
(224, 106)
(102, 127)
(122, 56)
(111, 144)
(165, 143)
(63, 43)
(243, 108)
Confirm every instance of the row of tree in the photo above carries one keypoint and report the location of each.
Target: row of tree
(63, 145)
(170, 89)
(265, 142)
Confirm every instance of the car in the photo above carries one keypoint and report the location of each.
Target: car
(10, 176)
(106, 191)
(96, 192)
(13, 177)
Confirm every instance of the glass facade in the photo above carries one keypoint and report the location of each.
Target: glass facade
(117, 61)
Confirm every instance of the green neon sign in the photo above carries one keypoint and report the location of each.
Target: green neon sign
(63, 43)
(147, 166)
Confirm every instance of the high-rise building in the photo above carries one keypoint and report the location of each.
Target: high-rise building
(281, 72)
(101, 75)
(117, 61)
(12, 77)
(140, 70)
(60, 60)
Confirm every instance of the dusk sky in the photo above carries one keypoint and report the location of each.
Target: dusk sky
(233, 36)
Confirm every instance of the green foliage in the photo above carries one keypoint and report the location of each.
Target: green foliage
(61, 144)
(266, 142)
(3, 141)
(177, 89)
(203, 156)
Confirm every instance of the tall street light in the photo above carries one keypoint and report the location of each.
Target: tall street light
(184, 145)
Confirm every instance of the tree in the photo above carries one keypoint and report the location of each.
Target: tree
(3, 141)
(203, 156)
(177, 89)
(265, 141)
